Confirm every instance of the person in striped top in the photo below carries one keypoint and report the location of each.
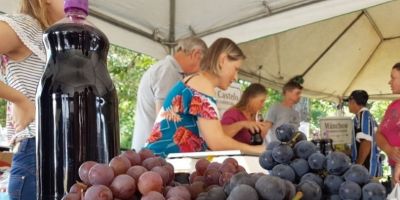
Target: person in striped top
(23, 59)
(364, 150)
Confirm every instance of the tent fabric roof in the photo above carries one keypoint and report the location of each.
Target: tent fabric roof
(339, 45)
(147, 26)
(166, 21)
(336, 56)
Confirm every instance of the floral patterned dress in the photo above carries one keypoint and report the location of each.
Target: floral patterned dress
(175, 129)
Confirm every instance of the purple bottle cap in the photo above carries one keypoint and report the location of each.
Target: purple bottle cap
(76, 4)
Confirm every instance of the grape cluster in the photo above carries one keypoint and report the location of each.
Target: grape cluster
(215, 173)
(145, 176)
(255, 186)
(317, 176)
(130, 175)
(298, 170)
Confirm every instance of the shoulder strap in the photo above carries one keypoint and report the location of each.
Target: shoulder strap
(190, 77)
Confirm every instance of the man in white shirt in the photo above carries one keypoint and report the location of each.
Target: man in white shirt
(158, 80)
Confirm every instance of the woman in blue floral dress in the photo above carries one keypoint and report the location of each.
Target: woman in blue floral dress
(189, 119)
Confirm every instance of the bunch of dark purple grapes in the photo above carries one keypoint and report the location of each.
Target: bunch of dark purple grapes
(317, 176)
(255, 186)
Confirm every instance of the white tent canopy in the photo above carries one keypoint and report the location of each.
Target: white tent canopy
(338, 55)
(341, 44)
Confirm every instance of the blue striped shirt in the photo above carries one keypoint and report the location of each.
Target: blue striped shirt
(365, 129)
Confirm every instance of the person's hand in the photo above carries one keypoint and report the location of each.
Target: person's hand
(253, 126)
(255, 149)
(23, 113)
(264, 129)
(259, 149)
(397, 174)
(394, 154)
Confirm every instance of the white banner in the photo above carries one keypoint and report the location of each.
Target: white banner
(339, 129)
(228, 98)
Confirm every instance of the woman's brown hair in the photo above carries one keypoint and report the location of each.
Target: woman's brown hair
(36, 9)
(250, 92)
(220, 46)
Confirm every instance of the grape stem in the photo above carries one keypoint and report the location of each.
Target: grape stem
(298, 196)
(84, 186)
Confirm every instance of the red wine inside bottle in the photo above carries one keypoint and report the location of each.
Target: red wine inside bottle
(77, 107)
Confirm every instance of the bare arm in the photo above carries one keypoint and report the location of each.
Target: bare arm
(397, 174)
(268, 126)
(363, 151)
(232, 129)
(9, 40)
(24, 109)
(216, 139)
(382, 142)
(10, 44)
(392, 152)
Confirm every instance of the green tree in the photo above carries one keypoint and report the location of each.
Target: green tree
(273, 97)
(320, 109)
(378, 109)
(126, 68)
(3, 109)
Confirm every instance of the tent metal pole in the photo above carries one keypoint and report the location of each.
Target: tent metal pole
(276, 85)
(371, 20)
(332, 44)
(391, 38)
(252, 18)
(386, 97)
(172, 23)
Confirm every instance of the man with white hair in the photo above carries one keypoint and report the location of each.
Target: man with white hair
(159, 79)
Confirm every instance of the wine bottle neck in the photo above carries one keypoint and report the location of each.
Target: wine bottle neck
(76, 13)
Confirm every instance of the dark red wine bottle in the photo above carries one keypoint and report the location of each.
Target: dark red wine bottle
(77, 105)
